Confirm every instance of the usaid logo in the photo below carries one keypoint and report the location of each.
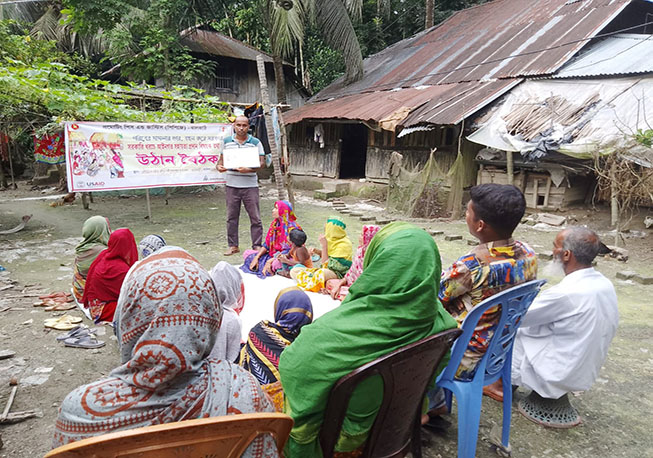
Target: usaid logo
(94, 184)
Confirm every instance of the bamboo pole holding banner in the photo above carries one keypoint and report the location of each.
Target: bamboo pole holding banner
(265, 96)
(149, 208)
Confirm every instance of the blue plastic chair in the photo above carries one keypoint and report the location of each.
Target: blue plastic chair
(495, 364)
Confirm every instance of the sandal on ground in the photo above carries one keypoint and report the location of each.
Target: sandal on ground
(231, 250)
(77, 331)
(60, 307)
(45, 303)
(63, 323)
(85, 341)
(55, 295)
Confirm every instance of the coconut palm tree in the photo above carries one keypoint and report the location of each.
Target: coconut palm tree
(334, 18)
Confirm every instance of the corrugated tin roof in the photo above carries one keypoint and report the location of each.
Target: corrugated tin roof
(441, 104)
(502, 40)
(369, 107)
(217, 44)
(476, 44)
(461, 101)
(622, 54)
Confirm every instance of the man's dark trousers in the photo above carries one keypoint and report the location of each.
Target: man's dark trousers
(250, 199)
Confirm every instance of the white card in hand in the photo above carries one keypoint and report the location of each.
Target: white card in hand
(246, 156)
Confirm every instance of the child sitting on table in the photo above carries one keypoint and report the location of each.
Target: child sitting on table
(298, 254)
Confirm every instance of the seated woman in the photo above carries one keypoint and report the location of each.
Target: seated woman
(263, 262)
(338, 289)
(335, 258)
(266, 340)
(150, 244)
(231, 296)
(106, 275)
(392, 304)
(96, 233)
(167, 320)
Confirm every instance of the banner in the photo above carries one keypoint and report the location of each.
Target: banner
(114, 156)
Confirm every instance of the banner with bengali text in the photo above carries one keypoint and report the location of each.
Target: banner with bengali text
(114, 156)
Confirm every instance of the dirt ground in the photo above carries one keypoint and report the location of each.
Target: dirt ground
(616, 411)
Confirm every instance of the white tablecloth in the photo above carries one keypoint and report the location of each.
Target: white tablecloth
(260, 296)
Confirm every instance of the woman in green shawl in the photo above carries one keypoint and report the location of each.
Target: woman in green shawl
(96, 233)
(392, 304)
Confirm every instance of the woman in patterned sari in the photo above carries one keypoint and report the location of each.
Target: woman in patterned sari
(96, 233)
(167, 319)
(266, 340)
(263, 262)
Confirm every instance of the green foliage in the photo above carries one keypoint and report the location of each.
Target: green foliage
(324, 63)
(144, 36)
(644, 137)
(243, 22)
(37, 88)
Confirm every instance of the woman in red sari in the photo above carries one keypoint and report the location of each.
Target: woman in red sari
(107, 273)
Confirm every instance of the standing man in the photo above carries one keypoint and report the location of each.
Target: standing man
(242, 186)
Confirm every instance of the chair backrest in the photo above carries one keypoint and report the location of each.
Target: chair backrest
(514, 303)
(216, 437)
(406, 374)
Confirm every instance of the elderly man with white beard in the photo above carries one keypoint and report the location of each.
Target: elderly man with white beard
(564, 337)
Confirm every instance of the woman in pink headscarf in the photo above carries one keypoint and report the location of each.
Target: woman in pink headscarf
(264, 262)
(340, 288)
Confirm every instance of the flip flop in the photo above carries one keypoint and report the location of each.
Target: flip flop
(63, 323)
(53, 295)
(85, 341)
(60, 307)
(46, 303)
(77, 331)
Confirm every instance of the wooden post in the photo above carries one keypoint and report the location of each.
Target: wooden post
(265, 95)
(11, 167)
(85, 199)
(457, 200)
(536, 183)
(286, 158)
(510, 167)
(614, 201)
(548, 192)
(149, 208)
(3, 177)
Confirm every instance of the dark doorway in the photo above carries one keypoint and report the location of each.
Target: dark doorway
(353, 151)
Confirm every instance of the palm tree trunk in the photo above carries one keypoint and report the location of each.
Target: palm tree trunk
(430, 7)
(265, 96)
(279, 79)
